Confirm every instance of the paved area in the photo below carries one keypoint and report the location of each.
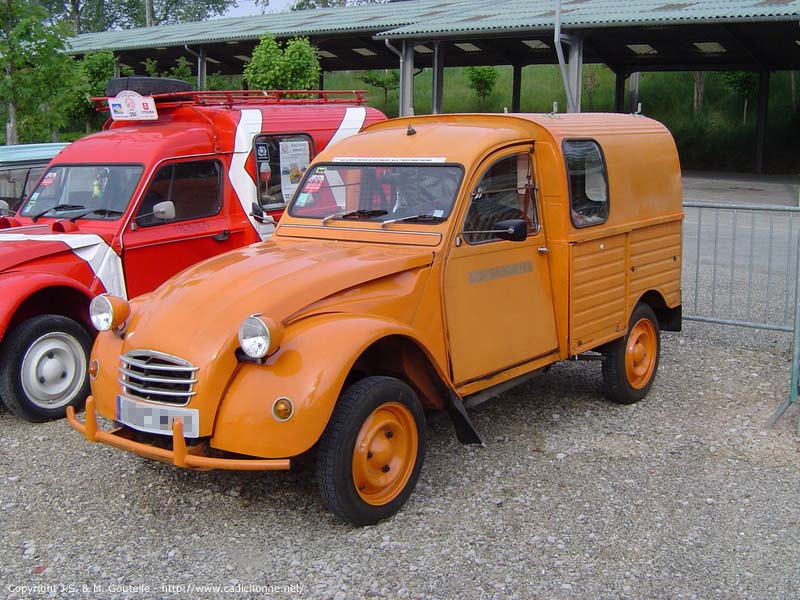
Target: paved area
(738, 188)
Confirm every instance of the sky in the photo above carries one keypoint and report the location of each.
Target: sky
(248, 7)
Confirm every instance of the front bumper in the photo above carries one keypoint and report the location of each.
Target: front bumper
(180, 455)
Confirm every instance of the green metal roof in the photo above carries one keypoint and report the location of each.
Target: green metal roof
(482, 17)
(422, 19)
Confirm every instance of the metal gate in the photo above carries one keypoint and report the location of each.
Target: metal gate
(742, 267)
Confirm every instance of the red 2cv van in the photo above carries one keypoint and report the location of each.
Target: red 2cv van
(172, 179)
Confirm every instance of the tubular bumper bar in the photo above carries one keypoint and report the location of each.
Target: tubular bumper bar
(178, 456)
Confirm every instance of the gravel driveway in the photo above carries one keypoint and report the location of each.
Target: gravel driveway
(685, 495)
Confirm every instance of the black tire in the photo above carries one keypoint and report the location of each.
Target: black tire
(629, 367)
(43, 367)
(336, 454)
(147, 85)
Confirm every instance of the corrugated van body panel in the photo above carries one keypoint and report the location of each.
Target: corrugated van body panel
(656, 262)
(598, 301)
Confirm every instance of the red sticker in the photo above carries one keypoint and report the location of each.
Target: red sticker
(314, 183)
(49, 178)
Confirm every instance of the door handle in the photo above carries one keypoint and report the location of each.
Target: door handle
(222, 236)
(543, 250)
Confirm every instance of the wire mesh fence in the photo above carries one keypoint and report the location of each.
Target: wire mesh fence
(740, 267)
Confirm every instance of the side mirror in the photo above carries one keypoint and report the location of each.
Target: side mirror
(513, 230)
(164, 210)
(258, 214)
(5, 209)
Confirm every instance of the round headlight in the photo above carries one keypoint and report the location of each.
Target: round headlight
(254, 337)
(108, 312)
(101, 313)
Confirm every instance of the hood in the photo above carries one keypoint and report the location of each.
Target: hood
(21, 246)
(204, 305)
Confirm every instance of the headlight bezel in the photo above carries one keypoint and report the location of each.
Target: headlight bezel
(108, 312)
(272, 331)
(251, 349)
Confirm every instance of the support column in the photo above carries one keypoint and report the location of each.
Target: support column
(575, 72)
(201, 69)
(321, 81)
(437, 90)
(516, 88)
(619, 91)
(761, 123)
(407, 79)
(633, 88)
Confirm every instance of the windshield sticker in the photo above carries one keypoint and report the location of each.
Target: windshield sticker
(49, 178)
(314, 183)
(389, 159)
(438, 213)
(302, 198)
(321, 169)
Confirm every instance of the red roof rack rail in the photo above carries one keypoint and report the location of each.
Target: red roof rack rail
(233, 98)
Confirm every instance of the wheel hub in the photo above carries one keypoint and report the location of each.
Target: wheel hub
(385, 453)
(53, 370)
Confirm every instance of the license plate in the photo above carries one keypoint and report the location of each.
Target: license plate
(154, 418)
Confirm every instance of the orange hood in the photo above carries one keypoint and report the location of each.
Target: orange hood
(200, 310)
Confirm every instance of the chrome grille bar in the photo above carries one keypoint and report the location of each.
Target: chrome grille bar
(157, 377)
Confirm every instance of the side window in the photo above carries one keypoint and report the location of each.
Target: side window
(281, 162)
(588, 182)
(193, 187)
(505, 191)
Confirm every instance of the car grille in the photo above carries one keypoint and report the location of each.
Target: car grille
(158, 377)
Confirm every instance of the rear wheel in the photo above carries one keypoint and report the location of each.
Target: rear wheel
(371, 453)
(43, 367)
(631, 362)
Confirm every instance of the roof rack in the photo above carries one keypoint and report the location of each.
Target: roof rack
(231, 98)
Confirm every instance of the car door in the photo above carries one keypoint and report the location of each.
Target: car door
(154, 249)
(497, 293)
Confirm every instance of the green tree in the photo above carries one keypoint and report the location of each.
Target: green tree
(482, 81)
(182, 69)
(387, 82)
(91, 75)
(292, 67)
(32, 56)
(744, 85)
(86, 16)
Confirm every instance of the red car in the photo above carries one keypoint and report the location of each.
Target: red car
(189, 176)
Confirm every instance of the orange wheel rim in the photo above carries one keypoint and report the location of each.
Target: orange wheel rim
(385, 453)
(641, 353)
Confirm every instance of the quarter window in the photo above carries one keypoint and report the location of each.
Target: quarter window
(281, 162)
(504, 192)
(193, 187)
(588, 182)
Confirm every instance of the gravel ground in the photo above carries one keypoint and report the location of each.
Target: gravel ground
(685, 495)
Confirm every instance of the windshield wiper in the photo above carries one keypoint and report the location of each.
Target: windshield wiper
(57, 208)
(423, 217)
(100, 211)
(359, 214)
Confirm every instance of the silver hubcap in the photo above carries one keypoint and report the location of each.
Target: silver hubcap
(53, 370)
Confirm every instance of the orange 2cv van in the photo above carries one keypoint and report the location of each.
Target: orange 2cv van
(422, 265)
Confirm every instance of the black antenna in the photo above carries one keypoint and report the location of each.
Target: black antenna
(410, 130)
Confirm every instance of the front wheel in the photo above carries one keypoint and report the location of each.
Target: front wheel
(371, 453)
(631, 362)
(43, 367)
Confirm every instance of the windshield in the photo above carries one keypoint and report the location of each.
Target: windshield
(379, 193)
(100, 191)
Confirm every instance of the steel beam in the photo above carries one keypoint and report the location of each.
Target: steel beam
(761, 123)
(437, 91)
(516, 88)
